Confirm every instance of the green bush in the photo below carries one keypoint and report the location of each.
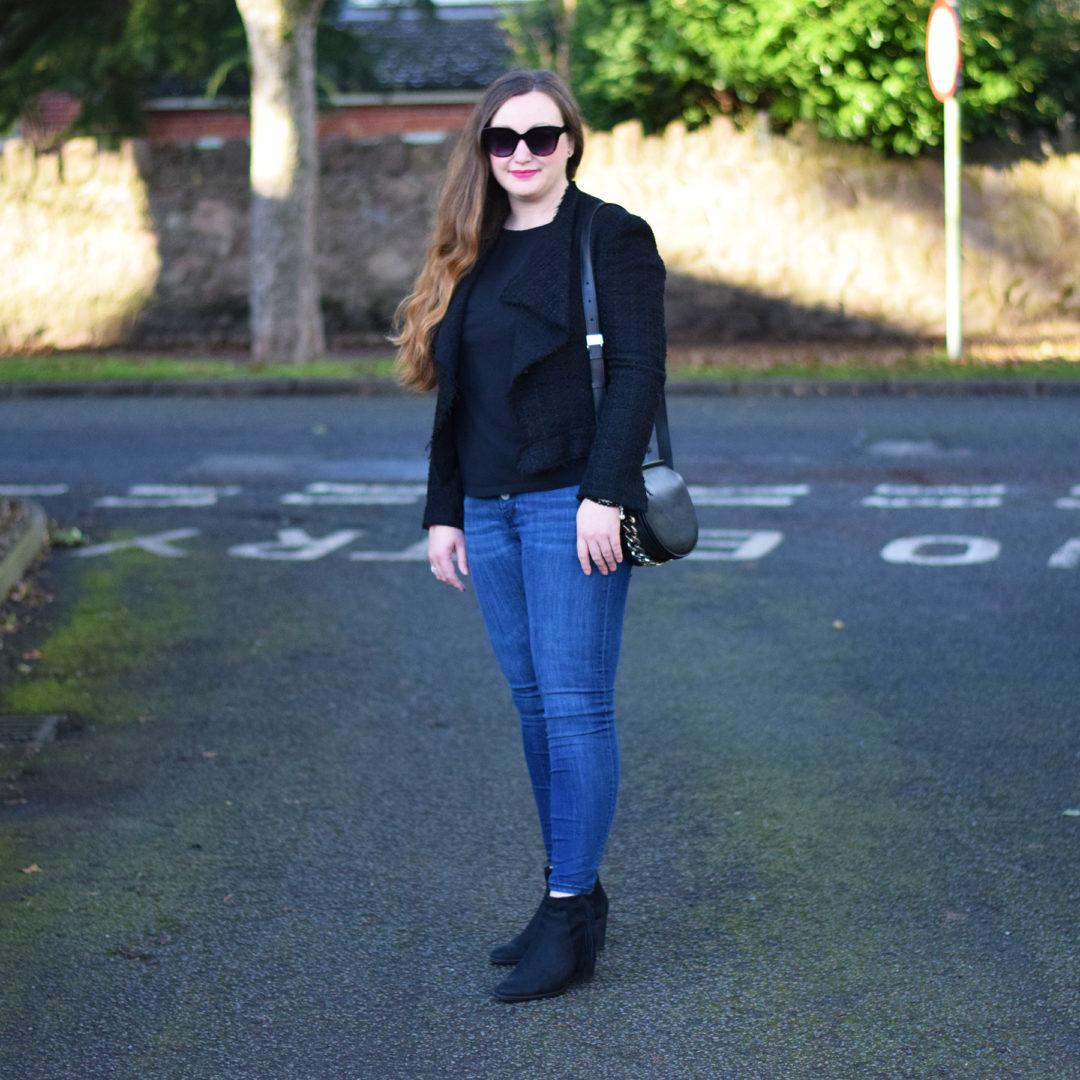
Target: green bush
(112, 54)
(854, 69)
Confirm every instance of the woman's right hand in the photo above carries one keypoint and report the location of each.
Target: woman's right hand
(445, 544)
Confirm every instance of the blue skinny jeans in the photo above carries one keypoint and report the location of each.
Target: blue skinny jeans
(556, 635)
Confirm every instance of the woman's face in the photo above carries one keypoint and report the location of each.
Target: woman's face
(525, 176)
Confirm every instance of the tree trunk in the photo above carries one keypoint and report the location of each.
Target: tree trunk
(565, 31)
(286, 321)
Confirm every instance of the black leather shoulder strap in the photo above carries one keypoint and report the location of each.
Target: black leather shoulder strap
(594, 339)
(594, 342)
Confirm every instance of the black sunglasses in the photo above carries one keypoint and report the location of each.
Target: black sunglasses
(503, 141)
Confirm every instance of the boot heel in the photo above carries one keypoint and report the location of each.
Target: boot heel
(600, 932)
(599, 901)
(587, 957)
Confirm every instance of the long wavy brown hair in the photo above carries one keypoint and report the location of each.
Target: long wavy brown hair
(472, 210)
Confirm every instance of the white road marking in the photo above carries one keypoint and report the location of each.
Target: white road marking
(900, 448)
(1067, 557)
(1070, 502)
(333, 494)
(28, 490)
(413, 553)
(157, 544)
(754, 495)
(918, 550)
(295, 545)
(735, 545)
(942, 497)
(161, 496)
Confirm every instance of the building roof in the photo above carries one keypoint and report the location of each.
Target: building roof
(456, 46)
(450, 45)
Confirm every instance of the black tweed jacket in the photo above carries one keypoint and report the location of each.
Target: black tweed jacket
(550, 394)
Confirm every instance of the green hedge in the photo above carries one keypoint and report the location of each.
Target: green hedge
(854, 69)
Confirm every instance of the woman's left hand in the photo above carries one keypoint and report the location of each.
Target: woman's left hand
(598, 537)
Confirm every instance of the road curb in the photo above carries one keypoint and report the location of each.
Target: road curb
(33, 537)
(361, 386)
(375, 386)
(809, 388)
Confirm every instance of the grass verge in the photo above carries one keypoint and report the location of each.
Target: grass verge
(743, 361)
(869, 361)
(88, 366)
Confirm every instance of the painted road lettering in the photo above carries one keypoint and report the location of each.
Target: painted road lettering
(413, 553)
(1067, 557)
(731, 545)
(714, 545)
(162, 496)
(28, 491)
(752, 495)
(295, 545)
(927, 550)
(331, 494)
(157, 544)
(735, 545)
(942, 497)
(1071, 501)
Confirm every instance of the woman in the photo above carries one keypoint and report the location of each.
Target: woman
(526, 483)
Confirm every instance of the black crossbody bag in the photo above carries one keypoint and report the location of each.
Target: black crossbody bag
(667, 528)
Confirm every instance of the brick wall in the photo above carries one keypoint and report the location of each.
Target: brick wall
(164, 125)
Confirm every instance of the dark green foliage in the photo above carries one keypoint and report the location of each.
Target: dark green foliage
(112, 54)
(72, 45)
(108, 53)
(853, 69)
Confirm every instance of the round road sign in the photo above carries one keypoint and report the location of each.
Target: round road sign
(943, 49)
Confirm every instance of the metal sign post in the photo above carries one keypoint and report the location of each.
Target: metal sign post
(943, 61)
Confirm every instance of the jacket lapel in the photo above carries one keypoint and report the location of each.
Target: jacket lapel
(541, 292)
(447, 349)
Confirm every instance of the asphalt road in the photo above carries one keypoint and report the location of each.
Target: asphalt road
(294, 817)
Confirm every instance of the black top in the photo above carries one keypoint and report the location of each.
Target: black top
(489, 437)
(550, 395)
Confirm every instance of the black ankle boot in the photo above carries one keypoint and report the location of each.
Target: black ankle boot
(512, 951)
(562, 951)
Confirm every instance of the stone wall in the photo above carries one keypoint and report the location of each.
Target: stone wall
(765, 239)
(835, 229)
(78, 252)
